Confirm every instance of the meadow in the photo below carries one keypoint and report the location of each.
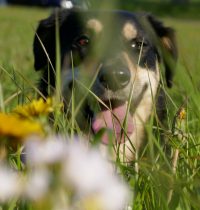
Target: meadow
(164, 181)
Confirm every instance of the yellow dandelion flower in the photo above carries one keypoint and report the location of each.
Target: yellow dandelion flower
(182, 114)
(35, 108)
(13, 126)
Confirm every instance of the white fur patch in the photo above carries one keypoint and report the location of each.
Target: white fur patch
(145, 83)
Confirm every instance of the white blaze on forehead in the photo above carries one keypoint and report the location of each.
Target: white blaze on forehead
(129, 31)
(95, 24)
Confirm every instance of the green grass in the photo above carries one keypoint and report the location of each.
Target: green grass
(16, 38)
(161, 8)
(156, 182)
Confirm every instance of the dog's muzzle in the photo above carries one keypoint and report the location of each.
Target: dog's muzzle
(115, 119)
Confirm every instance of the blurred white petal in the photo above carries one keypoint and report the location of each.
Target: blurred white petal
(91, 175)
(9, 184)
(115, 195)
(46, 151)
(85, 169)
(37, 184)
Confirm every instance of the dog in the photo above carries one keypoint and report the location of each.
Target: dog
(110, 60)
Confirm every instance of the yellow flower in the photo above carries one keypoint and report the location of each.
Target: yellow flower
(35, 108)
(182, 114)
(13, 126)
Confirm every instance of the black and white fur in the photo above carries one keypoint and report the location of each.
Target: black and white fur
(125, 48)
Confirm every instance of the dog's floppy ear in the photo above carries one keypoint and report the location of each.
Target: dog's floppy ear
(168, 46)
(43, 42)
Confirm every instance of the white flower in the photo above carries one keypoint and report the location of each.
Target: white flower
(91, 175)
(85, 168)
(128, 207)
(115, 195)
(10, 184)
(48, 151)
(83, 171)
(37, 184)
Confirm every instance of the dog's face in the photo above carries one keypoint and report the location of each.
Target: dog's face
(111, 61)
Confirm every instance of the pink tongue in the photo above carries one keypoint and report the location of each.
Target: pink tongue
(114, 122)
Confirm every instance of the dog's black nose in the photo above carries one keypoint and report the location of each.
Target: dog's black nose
(114, 79)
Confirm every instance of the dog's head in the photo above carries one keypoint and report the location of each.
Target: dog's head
(111, 59)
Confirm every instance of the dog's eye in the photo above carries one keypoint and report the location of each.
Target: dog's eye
(135, 44)
(82, 41)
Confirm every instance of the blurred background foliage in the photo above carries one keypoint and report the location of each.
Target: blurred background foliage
(173, 8)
